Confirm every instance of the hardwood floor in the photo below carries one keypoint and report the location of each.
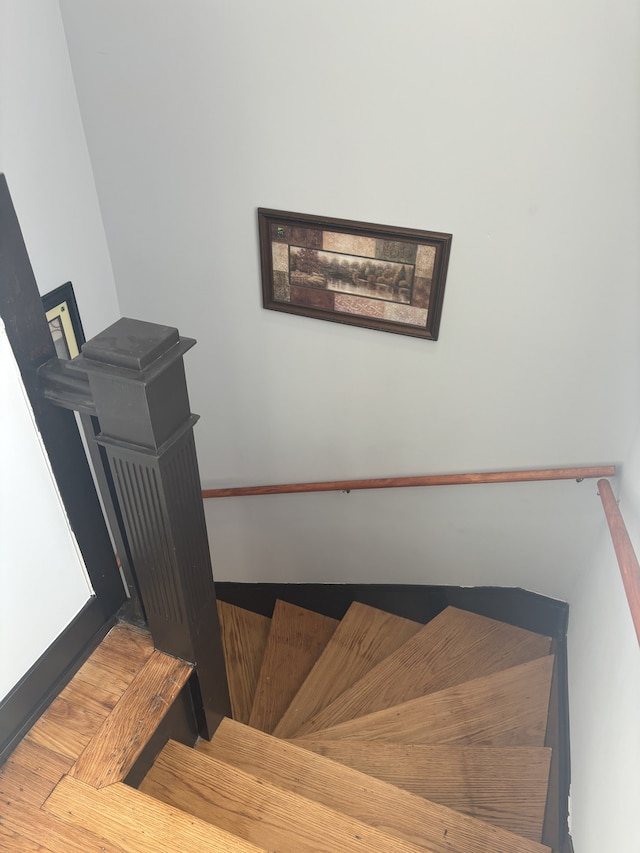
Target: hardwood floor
(78, 727)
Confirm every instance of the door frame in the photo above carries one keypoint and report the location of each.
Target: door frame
(28, 334)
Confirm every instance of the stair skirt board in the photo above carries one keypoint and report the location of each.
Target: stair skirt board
(388, 735)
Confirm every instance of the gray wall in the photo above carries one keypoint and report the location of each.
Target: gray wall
(514, 127)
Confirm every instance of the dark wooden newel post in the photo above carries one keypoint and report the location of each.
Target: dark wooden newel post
(137, 379)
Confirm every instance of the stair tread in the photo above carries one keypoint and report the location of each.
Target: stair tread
(244, 639)
(296, 640)
(112, 752)
(259, 811)
(363, 638)
(507, 708)
(136, 822)
(506, 786)
(452, 648)
(367, 799)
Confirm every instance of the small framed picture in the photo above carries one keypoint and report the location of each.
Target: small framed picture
(376, 276)
(64, 321)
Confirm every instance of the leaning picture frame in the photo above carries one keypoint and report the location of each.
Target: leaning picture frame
(63, 317)
(375, 276)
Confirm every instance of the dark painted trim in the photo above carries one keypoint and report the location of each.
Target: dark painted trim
(516, 606)
(50, 674)
(563, 742)
(133, 611)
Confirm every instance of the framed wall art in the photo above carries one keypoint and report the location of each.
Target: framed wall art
(64, 321)
(376, 276)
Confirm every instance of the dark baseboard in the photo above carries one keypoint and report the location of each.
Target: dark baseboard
(50, 673)
(515, 606)
(421, 603)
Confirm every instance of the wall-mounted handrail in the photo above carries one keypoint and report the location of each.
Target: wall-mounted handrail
(627, 559)
(526, 476)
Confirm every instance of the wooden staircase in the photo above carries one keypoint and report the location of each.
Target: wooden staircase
(374, 733)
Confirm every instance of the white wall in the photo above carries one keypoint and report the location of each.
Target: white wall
(44, 156)
(604, 694)
(513, 126)
(42, 576)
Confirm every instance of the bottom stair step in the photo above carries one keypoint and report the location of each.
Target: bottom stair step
(128, 821)
(506, 786)
(294, 777)
(258, 811)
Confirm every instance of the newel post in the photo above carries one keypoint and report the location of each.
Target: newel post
(137, 379)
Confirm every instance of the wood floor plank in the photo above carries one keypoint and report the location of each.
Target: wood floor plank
(296, 640)
(49, 765)
(455, 646)
(505, 786)
(244, 639)
(507, 708)
(256, 810)
(126, 731)
(67, 726)
(116, 661)
(18, 843)
(140, 824)
(59, 836)
(21, 786)
(369, 800)
(364, 637)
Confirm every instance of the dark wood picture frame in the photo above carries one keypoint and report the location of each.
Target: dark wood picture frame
(374, 276)
(64, 320)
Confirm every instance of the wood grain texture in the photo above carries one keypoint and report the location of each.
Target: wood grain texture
(524, 476)
(139, 824)
(79, 710)
(70, 722)
(296, 640)
(505, 786)
(114, 664)
(244, 639)
(364, 637)
(125, 732)
(455, 646)
(18, 843)
(47, 764)
(508, 708)
(36, 826)
(254, 809)
(369, 800)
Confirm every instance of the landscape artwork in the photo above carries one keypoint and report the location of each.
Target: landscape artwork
(377, 276)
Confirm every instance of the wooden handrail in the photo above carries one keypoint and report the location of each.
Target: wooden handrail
(627, 560)
(527, 476)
